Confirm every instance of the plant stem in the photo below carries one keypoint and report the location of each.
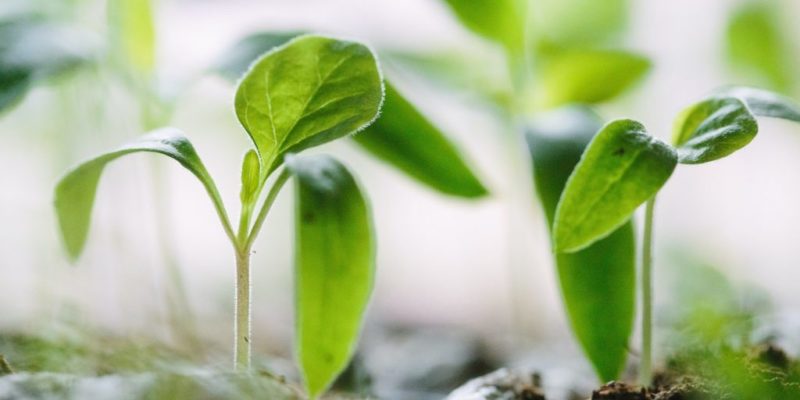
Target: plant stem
(243, 242)
(242, 328)
(645, 368)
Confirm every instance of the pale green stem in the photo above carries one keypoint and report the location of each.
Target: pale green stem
(242, 329)
(243, 242)
(646, 365)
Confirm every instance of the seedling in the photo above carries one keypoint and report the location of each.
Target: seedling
(310, 91)
(624, 167)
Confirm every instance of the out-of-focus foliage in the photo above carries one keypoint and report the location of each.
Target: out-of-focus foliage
(34, 49)
(75, 192)
(712, 339)
(713, 129)
(588, 76)
(578, 23)
(622, 167)
(758, 46)
(335, 267)
(502, 21)
(403, 137)
(601, 319)
(133, 34)
(75, 366)
(309, 92)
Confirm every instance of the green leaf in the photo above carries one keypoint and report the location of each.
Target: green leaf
(589, 76)
(335, 269)
(579, 23)
(502, 21)
(712, 129)
(33, 50)
(133, 33)
(601, 319)
(621, 168)
(758, 47)
(404, 138)
(307, 92)
(75, 191)
(763, 103)
(237, 59)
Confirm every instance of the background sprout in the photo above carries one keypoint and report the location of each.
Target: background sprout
(310, 91)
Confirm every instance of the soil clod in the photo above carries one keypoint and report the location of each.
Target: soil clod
(620, 391)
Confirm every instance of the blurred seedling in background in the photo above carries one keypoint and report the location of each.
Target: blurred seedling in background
(624, 167)
(310, 91)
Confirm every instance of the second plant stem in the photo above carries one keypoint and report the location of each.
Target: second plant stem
(645, 368)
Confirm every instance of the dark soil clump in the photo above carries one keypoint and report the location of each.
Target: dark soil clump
(620, 391)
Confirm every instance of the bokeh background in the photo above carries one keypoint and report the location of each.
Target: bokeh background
(483, 266)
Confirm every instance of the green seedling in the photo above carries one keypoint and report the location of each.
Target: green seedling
(602, 319)
(624, 167)
(309, 91)
(544, 65)
(554, 58)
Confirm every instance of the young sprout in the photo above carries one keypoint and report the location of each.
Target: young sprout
(624, 167)
(310, 91)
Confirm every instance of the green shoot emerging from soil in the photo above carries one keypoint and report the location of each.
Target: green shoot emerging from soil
(305, 93)
(624, 167)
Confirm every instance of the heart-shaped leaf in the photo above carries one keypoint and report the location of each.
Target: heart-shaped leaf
(75, 191)
(307, 92)
(334, 267)
(406, 139)
(712, 129)
(621, 168)
(598, 282)
(588, 76)
(764, 103)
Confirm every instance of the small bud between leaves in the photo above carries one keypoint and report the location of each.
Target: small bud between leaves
(250, 173)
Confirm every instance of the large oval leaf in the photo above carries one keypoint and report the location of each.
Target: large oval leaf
(764, 103)
(589, 76)
(621, 168)
(334, 268)
(598, 282)
(713, 129)
(310, 91)
(502, 21)
(75, 191)
(406, 139)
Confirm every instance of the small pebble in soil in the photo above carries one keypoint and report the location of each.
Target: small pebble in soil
(503, 384)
